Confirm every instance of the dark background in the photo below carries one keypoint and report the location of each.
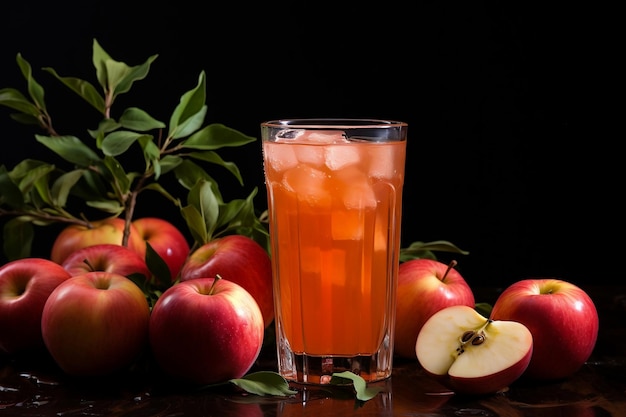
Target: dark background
(510, 153)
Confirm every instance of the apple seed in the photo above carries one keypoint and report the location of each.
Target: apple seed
(472, 337)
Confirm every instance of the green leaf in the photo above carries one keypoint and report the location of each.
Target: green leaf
(98, 136)
(214, 158)
(264, 383)
(159, 188)
(234, 212)
(99, 58)
(118, 142)
(151, 155)
(136, 119)
(114, 76)
(363, 392)
(62, 186)
(70, 148)
(156, 166)
(24, 167)
(191, 124)
(215, 136)
(191, 104)
(17, 238)
(162, 278)
(28, 181)
(105, 126)
(133, 74)
(116, 71)
(207, 203)
(26, 119)
(12, 98)
(239, 216)
(484, 309)
(43, 188)
(10, 193)
(118, 175)
(112, 207)
(92, 186)
(425, 250)
(83, 88)
(195, 223)
(189, 173)
(35, 90)
(169, 162)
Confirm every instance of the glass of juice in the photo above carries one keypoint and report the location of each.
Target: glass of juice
(334, 191)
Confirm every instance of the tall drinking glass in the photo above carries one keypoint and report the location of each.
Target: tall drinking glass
(334, 201)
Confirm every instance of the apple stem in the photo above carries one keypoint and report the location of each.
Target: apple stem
(89, 265)
(217, 278)
(451, 265)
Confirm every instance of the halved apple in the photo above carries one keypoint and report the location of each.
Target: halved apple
(472, 354)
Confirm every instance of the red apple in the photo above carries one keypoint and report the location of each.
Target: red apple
(110, 230)
(106, 257)
(425, 286)
(95, 324)
(166, 240)
(206, 330)
(25, 285)
(562, 319)
(472, 354)
(239, 259)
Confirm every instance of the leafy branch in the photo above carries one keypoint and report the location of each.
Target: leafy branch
(97, 183)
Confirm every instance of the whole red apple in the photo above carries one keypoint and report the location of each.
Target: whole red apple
(106, 257)
(111, 230)
(166, 240)
(239, 259)
(95, 324)
(206, 330)
(425, 286)
(562, 319)
(25, 285)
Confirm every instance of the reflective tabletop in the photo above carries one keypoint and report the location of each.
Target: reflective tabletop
(34, 387)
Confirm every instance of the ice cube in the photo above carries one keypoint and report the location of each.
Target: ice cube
(359, 196)
(355, 188)
(280, 157)
(324, 136)
(309, 183)
(340, 156)
(310, 154)
(382, 162)
(311, 149)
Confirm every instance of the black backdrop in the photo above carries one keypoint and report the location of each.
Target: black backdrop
(509, 154)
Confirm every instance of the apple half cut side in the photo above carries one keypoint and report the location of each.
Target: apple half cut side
(472, 354)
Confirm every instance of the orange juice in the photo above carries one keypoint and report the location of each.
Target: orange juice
(334, 212)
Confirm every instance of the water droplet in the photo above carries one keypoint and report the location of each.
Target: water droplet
(469, 412)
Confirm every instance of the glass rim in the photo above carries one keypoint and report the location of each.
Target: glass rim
(334, 123)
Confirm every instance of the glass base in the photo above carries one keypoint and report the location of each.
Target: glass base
(306, 369)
